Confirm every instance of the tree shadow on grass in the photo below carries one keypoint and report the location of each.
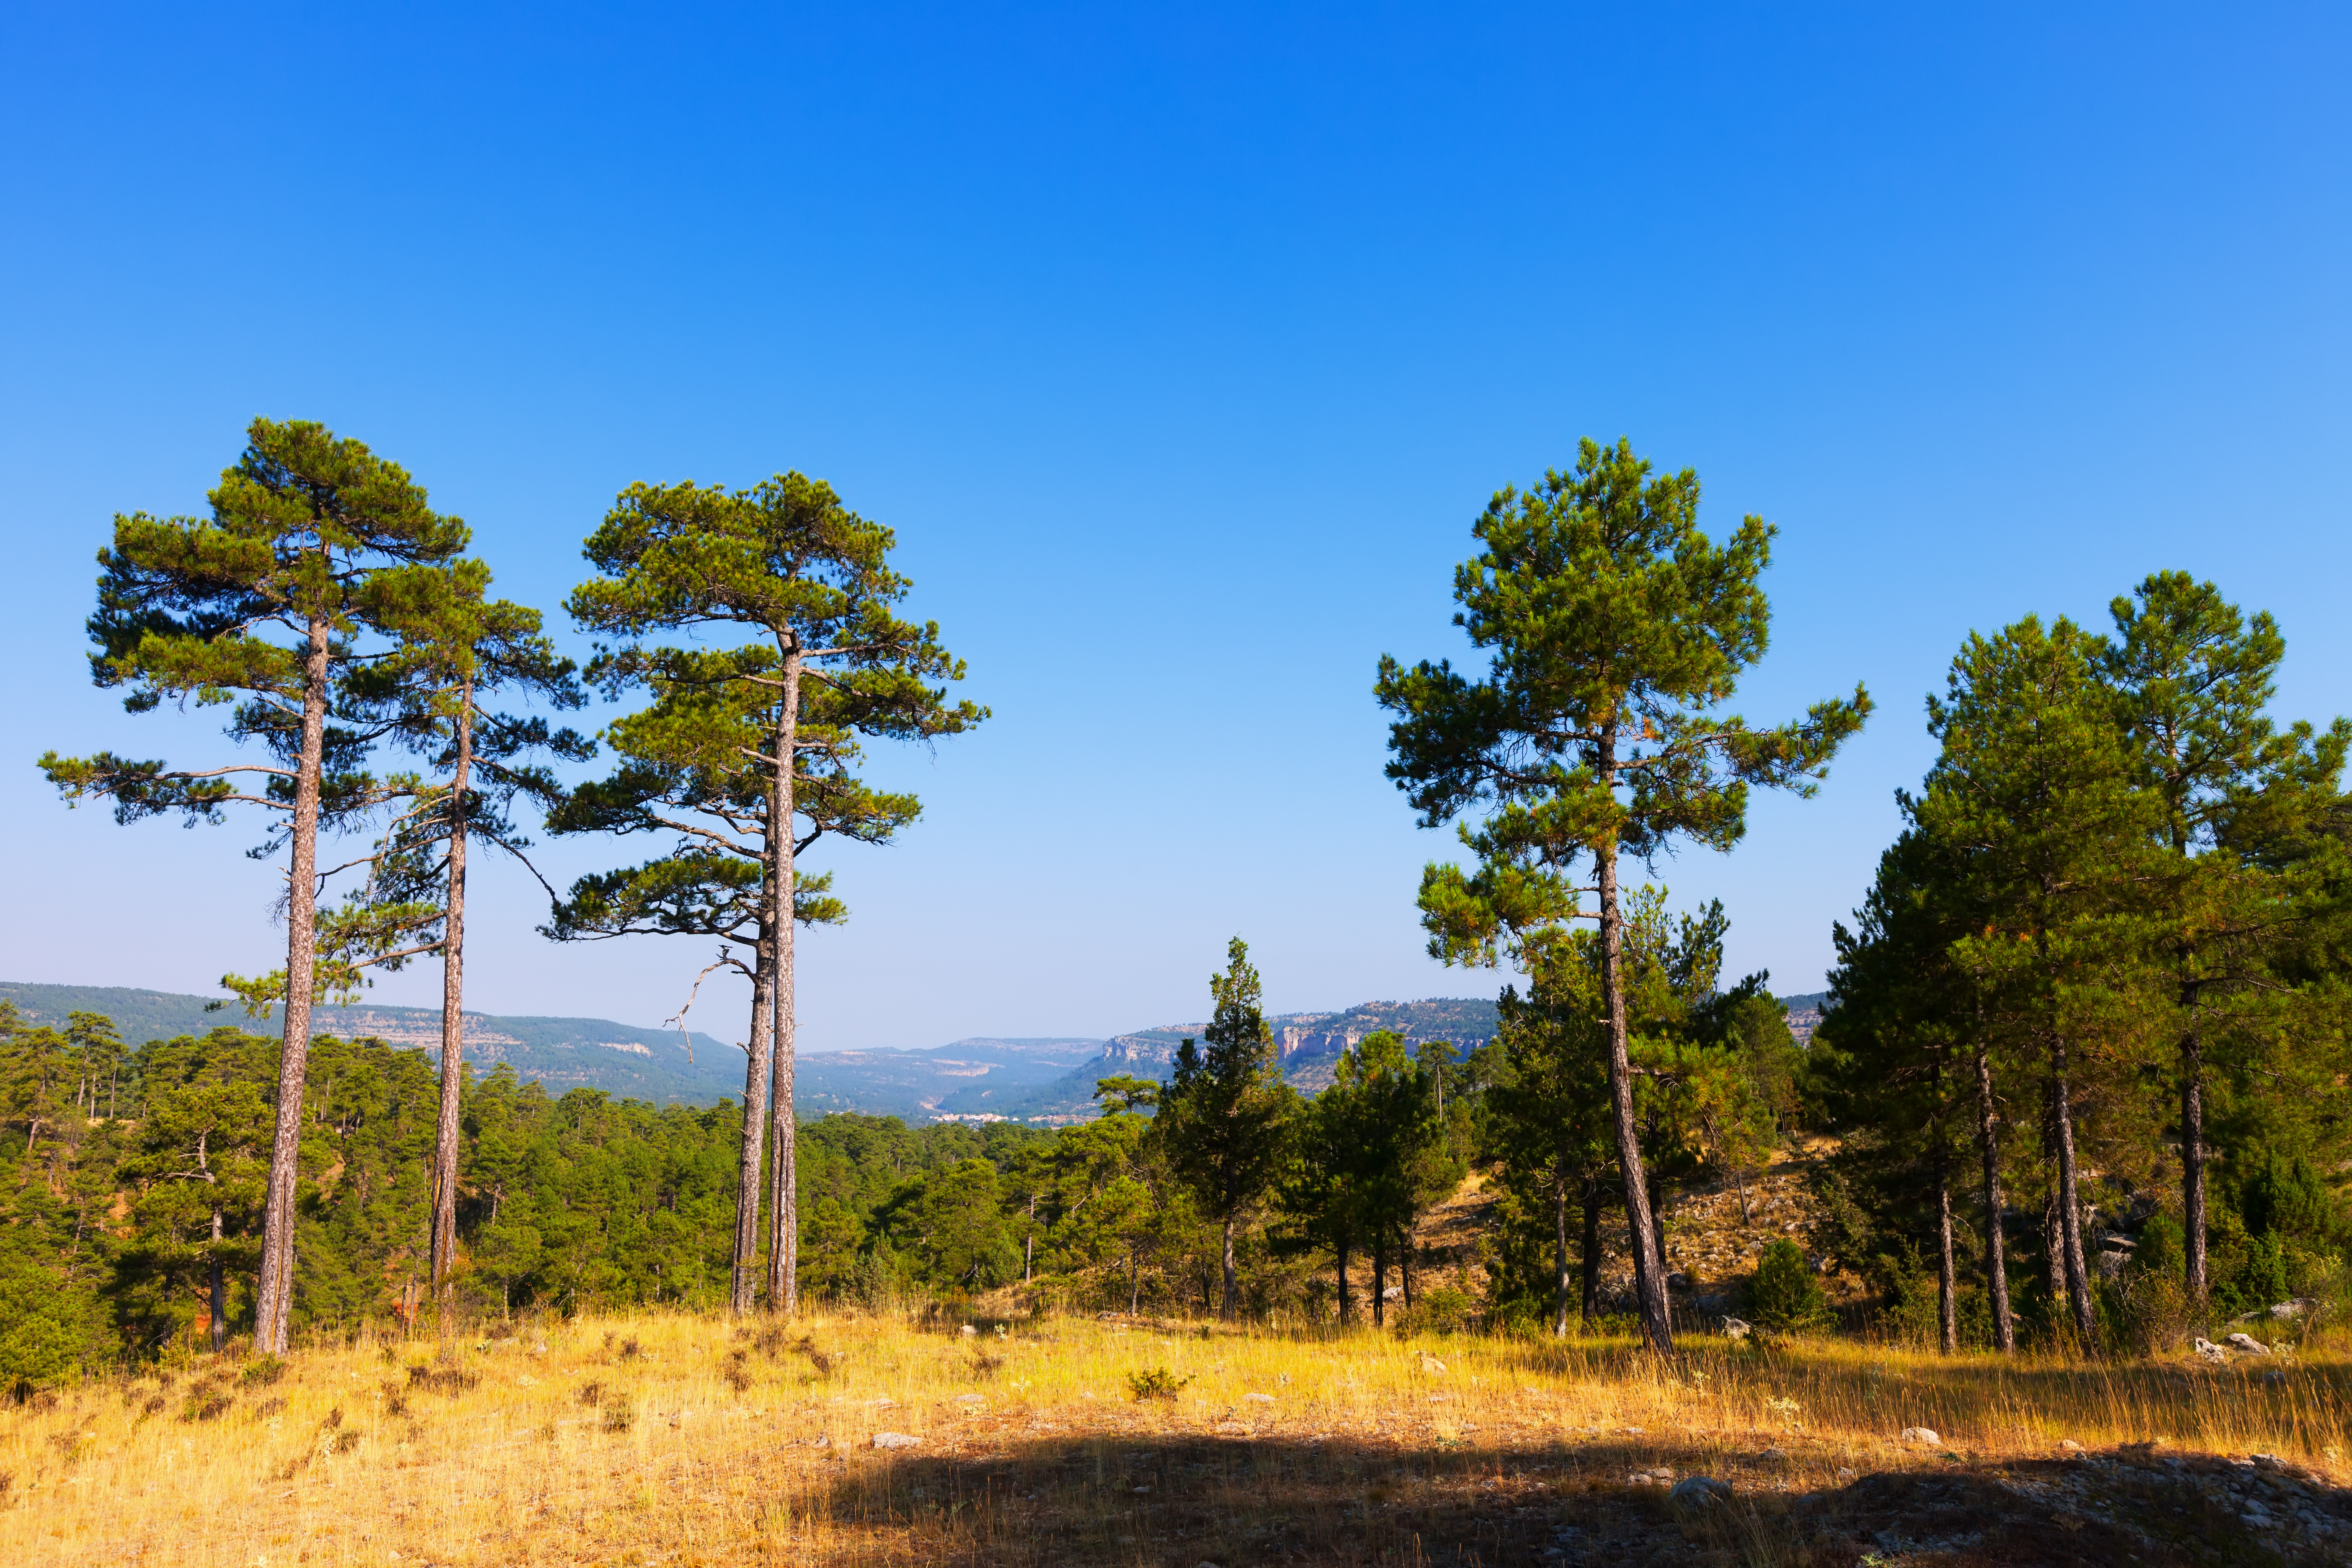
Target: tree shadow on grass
(1184, 1500)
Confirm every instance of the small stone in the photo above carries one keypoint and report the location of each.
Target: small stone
(1432, 1366)
(1737, 1329)
(1773, 1454)
(2248, 1343)
(968, 1331)
(1258, 1398)
(2209, 1351)
(1846, 1472)
(1926, 1435)
(1699, 1492)
(2068, 1445)
(970, 1399)
(896, 1440)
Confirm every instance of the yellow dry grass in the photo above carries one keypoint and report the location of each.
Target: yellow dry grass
(682, 1438)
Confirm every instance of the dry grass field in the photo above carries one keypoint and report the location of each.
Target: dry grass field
(678, 1439)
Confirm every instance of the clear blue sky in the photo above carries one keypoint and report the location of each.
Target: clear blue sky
(1180, 346)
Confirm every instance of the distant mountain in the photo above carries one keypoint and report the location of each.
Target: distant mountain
(1310, 1045)
(562, 1053)
(975, 1077)
(1049, 1080)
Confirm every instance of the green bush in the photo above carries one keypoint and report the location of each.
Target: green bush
(1786, 1295)
(1443, 1311)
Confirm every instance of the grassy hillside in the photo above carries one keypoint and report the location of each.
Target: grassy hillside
(856, 1439)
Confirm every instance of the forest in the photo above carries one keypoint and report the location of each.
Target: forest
(2079, 1083)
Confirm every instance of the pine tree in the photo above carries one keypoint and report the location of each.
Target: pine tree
(741, 745)
(1617, 630)
(2192, 677)
(298, 529)
(1225, 1117)
(2033, 795)
(458, 650)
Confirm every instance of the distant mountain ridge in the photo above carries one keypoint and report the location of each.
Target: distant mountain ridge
(1049, 1080)
(1309, 1043)
(625, 1061)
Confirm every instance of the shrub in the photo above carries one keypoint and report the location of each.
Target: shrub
(1786, 1295)
(1156, 1382)
(1443, 1311)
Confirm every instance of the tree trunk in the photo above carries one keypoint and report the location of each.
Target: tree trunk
(274, 1307)
(2192, 1163)
(743, 1282)
(1739, 1182)
(1404, 1267)
(2070, 1210)
(1029, 1244)
(784, 1212)
(1339, 1249)
(1946, 1304)
(1590, 1258)
(219, 1291)
(1233, 1292)
(1649, 1275)
(1379, 1280)
(2004, 1326)
(453, 1017)
(1562, 1285)
(2053, 1255)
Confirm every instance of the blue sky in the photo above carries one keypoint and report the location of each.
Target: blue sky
(1182, 347)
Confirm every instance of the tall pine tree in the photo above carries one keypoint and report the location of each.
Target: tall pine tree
(261, 606)
(1616, 629)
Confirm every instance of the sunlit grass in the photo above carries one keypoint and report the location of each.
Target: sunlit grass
(680, 1437)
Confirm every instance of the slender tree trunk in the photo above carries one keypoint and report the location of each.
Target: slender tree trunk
(1339, 1249)
(1405, 1266)
(1379, 1280)
(219, 1291)
(1649, 1274)
(1591, 1302)
(2070, 1210)
(2192, 1162)
(784, 1212)
(1739, 1182)
(1233, 1292)
(274, 1306)
(1947, 1303)
(2004, 1326)
(453, 1017)
(1029, 1244)
(743, 1283)
(2053, 1251)
(1561, 1283)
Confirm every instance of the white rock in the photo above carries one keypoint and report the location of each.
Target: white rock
(896, 1440)
(2248, 1343)
(1258, 1398)
(968, 1331)
(2208, 1351)
(1738, 1328)
(2068, 1445)
(1431, 1366)
(1921, 1434)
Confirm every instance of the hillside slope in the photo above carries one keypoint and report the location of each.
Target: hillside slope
(562, 1053)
